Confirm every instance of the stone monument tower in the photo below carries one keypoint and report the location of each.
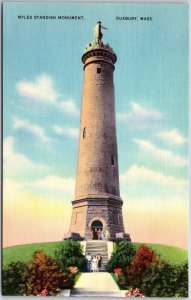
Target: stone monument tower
(97, 206)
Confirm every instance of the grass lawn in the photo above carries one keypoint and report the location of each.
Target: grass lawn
(24, 252)
(171, 254)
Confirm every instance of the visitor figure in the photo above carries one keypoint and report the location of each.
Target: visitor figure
(99, 258)
(95, 235)
(99, 235)
(107, 234)
(88, 260)
(94, 264)
(102, 235)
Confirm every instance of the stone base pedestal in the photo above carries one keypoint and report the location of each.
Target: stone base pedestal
(105, 210)
(72, 236)
(122, 236)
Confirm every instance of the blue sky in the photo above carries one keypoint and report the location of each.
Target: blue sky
(42, 85)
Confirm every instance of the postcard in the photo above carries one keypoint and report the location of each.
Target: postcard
(95, 149)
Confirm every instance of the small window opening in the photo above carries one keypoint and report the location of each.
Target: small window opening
(84, 132)
(98, 70)
(112, 160)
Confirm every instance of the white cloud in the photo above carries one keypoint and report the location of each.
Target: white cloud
(139, 115)
(166, 156)
(69, 107)
(69, 132)
(141, 111)
(55, 183)
(138, 174)
(173, 136)
(36, 130)
(16, 163)
(41, 89)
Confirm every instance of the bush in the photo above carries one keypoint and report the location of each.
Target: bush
(70, 254)
(14, 279)
(165, 280)
(143, 258)
(182, 281)
(153, 276)
(46, 275)
(122, 282)
(121, 256)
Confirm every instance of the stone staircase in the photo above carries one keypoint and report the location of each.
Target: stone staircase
(98, 247)
(89, 293)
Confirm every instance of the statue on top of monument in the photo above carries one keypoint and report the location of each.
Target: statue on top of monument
(97, 33)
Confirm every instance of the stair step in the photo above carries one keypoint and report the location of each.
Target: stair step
(96, 253)
(90, 293)
(97, 244)
(98, 248)
(93, 248)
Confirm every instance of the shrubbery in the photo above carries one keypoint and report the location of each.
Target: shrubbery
(122, 256)
(70, 254)
(182, 281)
(14, 279)
(136, 271)
(144, 270)
(143, 258)
(43, 274)
(165, 280)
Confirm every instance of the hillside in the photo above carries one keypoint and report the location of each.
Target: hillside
(171, 254)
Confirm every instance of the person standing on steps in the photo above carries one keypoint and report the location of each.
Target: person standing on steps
(96, 236)
(99, 258)
(94, 264)
(102, 235)
(88, 260)
(107, 235)
(99, 235)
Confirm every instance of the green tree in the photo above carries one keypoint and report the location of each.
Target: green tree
(15, 277)
(182, 281)
(121, 256)
(69, 254)
(45, 274)
(165, 280)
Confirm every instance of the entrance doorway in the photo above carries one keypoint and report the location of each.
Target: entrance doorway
(96, 228)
